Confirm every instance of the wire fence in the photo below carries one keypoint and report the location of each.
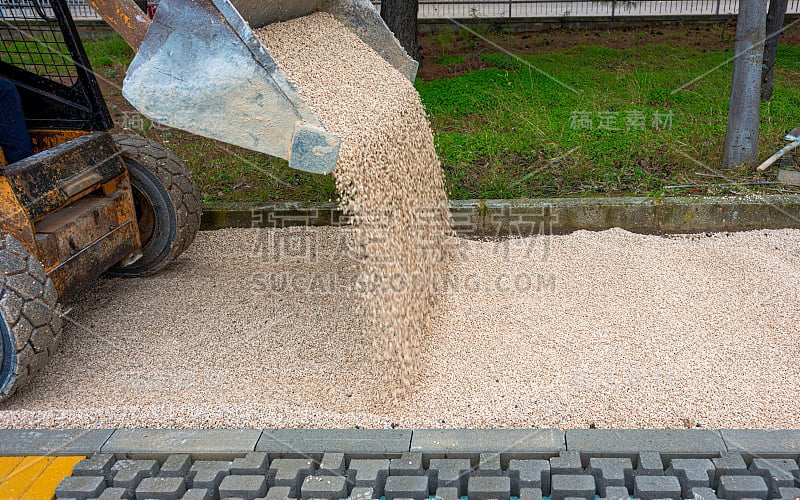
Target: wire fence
(519, 9)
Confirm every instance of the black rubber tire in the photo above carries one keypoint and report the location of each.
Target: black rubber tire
(160, 179)
(30, 317)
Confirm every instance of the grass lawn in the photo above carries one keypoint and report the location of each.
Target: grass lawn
(559, 119)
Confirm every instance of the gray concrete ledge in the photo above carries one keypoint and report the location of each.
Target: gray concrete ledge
(628, 443)
(463, 443)
(431, 443)
(354, 442)
(497, 219)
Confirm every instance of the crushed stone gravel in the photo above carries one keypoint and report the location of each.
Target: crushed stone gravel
(388, 177)
(255, 328)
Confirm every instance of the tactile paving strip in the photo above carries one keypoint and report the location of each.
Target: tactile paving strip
(566, 476)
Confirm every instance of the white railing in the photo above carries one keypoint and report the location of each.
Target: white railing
(494, 9)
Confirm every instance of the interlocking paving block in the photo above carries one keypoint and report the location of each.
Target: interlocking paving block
(355, 442)
(128, 473)
(692, 473)
(409, 464)
(447, 493)
(616, 493)
(176, 465)
(198, 494)
(653, 487)
(489, 465)
(363, 493)
(729, 463)
(370, 473)
(776, 472)
(80, 487)
(611, 472)
(198, 442)
(291, 472)
(255, 462)
(243, 486)
(406, 487)
(278, 493)
(115, 494)
(160, 488)
(785, 493)
(566, 463)
(449, 472)
(324, 487)
(740, 487)
(457, 443)
(489, 487)
(530, 494)
(331, 464)
(703, 494)
(771, 443)
(98, 464)
(563, 486)
(530, 474)
(649, 464)
(18, 442)
(693, 443)
(208, 474)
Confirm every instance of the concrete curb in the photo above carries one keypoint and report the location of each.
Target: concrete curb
(431, 443)
(526, 217)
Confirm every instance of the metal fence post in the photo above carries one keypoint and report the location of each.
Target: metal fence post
(718, 2)
(510, 5)
(613, 8)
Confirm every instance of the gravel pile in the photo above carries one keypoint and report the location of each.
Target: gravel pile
(612, 328)
(388, 176)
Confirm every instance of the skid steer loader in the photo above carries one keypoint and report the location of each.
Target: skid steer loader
(89, 202)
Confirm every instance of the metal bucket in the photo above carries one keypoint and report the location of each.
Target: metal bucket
(202, 69)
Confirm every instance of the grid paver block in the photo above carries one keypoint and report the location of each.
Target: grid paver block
(778, 473)
(409, 464)
(567, 463)
(703, 494)
(530, 474)
(692, 473)
(325, 486)
(115, 494)
(128, 473)
(160, 488)
(415, 487)
(489, 465)
(449, 472)
(785, 493)
(176, 465)
(291, 472)
(363, 493)
(564, 486)
(729, 463)
(611, 472)
(530, 494)
(447, 493)
(656, 487)
(208, 474)
(370, 473)
(247, 487)
(255, 462)
(80, 487)
(99, 464)
(740, 487)
(616, 493)
(489, 488)
(278, 493)
(332, 463)
(198, 494)
(650, 464)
